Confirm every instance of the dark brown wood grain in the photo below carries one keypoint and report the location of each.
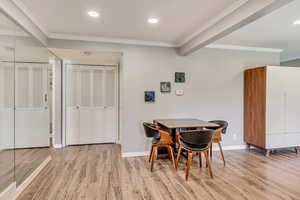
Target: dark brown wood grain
(255, 86)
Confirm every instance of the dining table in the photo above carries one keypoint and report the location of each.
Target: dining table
(175, 124)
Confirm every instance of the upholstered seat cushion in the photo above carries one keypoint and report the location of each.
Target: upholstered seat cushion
(194, 147)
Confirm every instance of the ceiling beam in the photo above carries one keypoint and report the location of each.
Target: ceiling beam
(14, 12)
(238, 15)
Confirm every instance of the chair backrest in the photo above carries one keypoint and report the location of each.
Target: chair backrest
(150, 130)
(223, 124)
(197, 137)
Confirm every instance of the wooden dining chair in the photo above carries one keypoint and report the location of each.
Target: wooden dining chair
(217, 137)
(196, 141)
(161, 138)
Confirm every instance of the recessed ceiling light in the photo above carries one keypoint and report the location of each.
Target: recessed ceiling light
(297, 22)
(153, 20)
(93, 13)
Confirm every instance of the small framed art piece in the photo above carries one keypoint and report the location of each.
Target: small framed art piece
(149, 96)
(179, 77)
(165, 87)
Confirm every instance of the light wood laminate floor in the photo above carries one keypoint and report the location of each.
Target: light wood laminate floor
(98, 172)
(28, 160)
(6, 168)
(17, 165)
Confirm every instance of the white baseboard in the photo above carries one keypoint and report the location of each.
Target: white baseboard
(9, 193)
(30, 178)
(57, 146)
(134, 154)
(228, 148)
(215, 148)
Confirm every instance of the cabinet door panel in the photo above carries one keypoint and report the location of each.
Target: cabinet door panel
(276, 141)
(275, 100)
(292, 139)
(292, 99)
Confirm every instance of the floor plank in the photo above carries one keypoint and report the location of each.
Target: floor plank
(98, 172)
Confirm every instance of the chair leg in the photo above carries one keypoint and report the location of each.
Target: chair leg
(208, 164)
(178, 157)
(188, 164)
(150, 155)
(154, 152)
(200, 159)
(222, 154)
(172, 156)
(210, 151)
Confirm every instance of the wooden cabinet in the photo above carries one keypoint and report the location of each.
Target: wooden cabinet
(272, 107)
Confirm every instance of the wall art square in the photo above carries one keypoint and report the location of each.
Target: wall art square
(179, 77)
(165, 87)
(149, 96)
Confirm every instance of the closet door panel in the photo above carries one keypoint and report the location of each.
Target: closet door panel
(98, 125)
(32, 113)
(6, 128)
(73, 121)
(30, 128)
(110, 133)
(86, 125)
(6, 106)
(92, 90)
(73, 102)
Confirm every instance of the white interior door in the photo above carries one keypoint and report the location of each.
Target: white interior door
(31, 106)
(91, 104)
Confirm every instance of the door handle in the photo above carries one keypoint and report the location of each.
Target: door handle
(77, 106)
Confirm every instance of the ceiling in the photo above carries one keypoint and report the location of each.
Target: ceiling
(276, 30)
(125, 19)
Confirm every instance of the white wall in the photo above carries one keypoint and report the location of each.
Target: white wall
(213, 88)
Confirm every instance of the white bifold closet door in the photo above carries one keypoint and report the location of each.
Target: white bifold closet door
(6, 105)
(91, 104)
(31, 109)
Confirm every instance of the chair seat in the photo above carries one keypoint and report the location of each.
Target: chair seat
(194, 147)
(156, 140)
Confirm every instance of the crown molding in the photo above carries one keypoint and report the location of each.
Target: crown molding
(109, 40)
(243, 48)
